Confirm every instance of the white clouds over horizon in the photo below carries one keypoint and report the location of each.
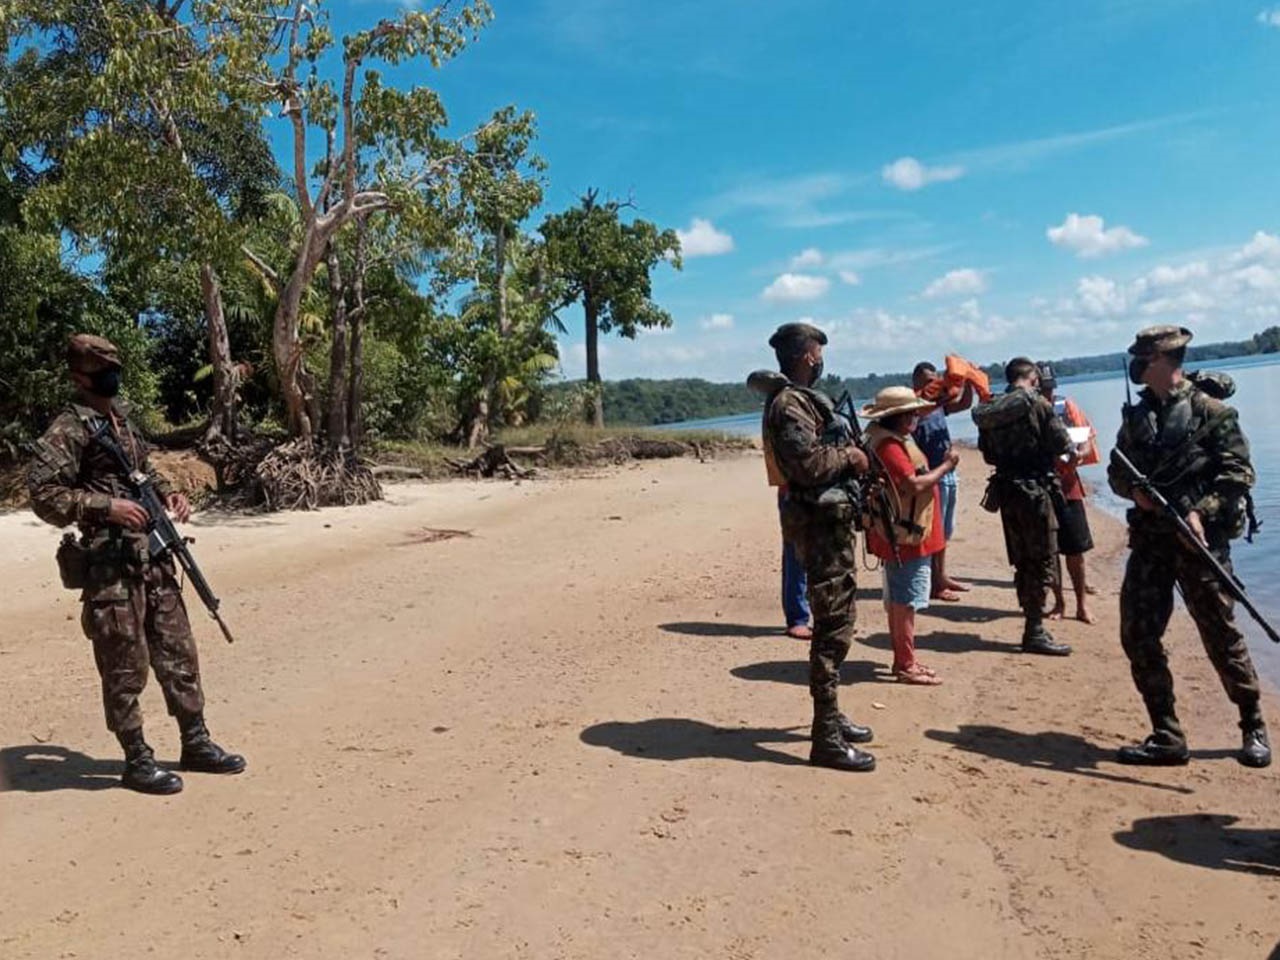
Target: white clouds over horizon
(702, 239)
(957, 283)
(1088, 236)
(908, 173)
(796, 287)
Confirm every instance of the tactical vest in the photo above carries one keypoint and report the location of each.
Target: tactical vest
(835, 431)
(910, 520)
(1164, 444)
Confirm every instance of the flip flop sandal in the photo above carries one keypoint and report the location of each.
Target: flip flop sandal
(946, 596)
(917, 678)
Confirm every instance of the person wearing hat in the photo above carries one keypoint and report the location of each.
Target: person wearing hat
(1019, 435)
(132, 605)
(1075, 539)
(907, 527)
(809, 445)
(1192, 448)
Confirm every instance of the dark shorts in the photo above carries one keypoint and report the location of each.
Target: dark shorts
(1074, 537)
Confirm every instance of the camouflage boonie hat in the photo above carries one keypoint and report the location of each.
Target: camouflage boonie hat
(87, 353)
(1161, 339)
(792, 333)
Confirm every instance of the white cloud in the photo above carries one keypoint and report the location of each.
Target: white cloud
(809, 257)
(908, 173)
(1263, 248)
(957, 283)
(1089, 237)
(702, 239)
(850, 277)
(718, 321)
(796, 286)
(1101, 297)
(1270, 18)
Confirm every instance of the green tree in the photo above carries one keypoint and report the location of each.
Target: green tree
(142, 138)
(596, 259)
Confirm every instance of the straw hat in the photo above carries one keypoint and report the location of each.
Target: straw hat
(894, 400)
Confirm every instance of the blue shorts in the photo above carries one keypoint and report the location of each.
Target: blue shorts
(909, 582)
(947, 493)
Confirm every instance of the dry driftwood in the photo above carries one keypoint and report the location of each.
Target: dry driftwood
(298, 476)
(493, 461)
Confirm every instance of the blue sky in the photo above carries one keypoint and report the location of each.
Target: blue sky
(990, 178)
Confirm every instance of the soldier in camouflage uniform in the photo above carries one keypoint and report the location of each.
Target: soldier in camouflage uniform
(133, 611)
(1190, 445)
(1021, 437)
(805, 442)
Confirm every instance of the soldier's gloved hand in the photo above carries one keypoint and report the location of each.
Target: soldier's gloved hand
(126, 513)
(858, 460)
(179, 506)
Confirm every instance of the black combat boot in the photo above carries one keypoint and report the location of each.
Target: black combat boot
(1036, 639)
(201, 754)
(1167, 745)
(140, 770)
(829, 748)
(853, 732)
(1256, 748)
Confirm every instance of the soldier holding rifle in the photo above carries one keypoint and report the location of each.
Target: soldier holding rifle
(1193, 454)
(133, 611)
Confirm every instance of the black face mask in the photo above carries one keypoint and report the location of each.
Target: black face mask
(106, 383)
(816, 374)
(1137, 367)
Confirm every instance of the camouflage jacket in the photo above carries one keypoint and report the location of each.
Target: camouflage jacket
(71, 479)
(1192, 448)
(795, 422)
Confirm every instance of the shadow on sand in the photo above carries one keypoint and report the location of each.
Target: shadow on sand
(41, 767)
(945, 641)
(797, 672)
(1207, 840)
(676, 738)
(1050, 750)
(716, 628)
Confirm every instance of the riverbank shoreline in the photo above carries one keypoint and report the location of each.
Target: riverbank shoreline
(573, 728)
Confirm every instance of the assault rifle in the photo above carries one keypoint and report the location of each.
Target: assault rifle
(1228, 579)
(874, 491)
(163, 538)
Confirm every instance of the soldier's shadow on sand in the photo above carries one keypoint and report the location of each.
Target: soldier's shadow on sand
(945, 641)
(41, 767)
(1207, 840)
(797, 672)
(1051, 750)
(717, 628)
(677, 738)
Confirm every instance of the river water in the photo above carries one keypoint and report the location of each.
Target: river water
(1258, 400)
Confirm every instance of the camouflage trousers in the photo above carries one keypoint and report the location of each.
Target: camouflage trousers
(824, 543)
(1146, 603)
(138, 622)
(1031, 542)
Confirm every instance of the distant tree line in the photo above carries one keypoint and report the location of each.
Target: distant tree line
(656, 402)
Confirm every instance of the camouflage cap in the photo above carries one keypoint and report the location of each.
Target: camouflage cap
(1150, 341)
(796, 333)
(87, 353)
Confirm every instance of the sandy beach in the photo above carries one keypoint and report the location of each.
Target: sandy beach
(578, 732)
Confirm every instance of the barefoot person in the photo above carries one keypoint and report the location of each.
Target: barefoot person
(907, 530)
(933, 437)
(1192, 448)
(807, 440)
(1074, 536)
(133, 611)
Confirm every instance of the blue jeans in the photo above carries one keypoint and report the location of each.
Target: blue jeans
(795, 586)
